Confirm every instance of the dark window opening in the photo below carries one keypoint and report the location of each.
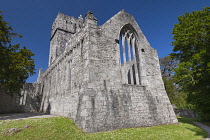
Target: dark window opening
(117, 41)
(134, 74)
(129, 77)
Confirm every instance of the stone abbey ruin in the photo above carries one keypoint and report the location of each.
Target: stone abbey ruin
(103, 77)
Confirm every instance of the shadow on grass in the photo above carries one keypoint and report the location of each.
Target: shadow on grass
(19, 115)
(198, 132)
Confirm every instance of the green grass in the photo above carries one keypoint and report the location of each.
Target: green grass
(63, 128)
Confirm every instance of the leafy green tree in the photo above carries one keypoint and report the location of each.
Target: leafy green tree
(16, 64)
(170, 89)
(192, 48)
(166, 66)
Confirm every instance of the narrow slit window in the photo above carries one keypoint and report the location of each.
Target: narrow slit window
(134, 74)
(129, 77)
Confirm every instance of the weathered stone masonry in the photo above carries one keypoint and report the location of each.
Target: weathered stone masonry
(104, 77)
(29, 101)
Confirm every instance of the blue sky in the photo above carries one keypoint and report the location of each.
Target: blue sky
(33, 19)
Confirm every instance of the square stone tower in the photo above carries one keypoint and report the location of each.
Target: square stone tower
(104, 77)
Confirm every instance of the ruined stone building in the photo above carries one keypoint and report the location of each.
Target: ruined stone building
(103, 77)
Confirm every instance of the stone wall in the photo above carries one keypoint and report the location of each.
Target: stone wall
(9, 104)
(88, 83)
(185, 113)
(29, 101)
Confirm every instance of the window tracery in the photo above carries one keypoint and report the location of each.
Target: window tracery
(129, 58)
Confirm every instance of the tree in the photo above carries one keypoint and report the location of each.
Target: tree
(16, 64)
(166, 66)
(192, 48)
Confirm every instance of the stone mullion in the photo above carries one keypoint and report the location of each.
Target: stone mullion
(24, 98)
(123, 47)
(129, 51)
(21, 98)
(135, 63)
(124, 79)
(129, 57)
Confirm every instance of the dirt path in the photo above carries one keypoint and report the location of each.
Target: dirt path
(18, 116)
(205, 127)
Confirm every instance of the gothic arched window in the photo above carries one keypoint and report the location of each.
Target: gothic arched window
(129, 57)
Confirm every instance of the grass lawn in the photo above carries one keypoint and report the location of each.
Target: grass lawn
(63, 128)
